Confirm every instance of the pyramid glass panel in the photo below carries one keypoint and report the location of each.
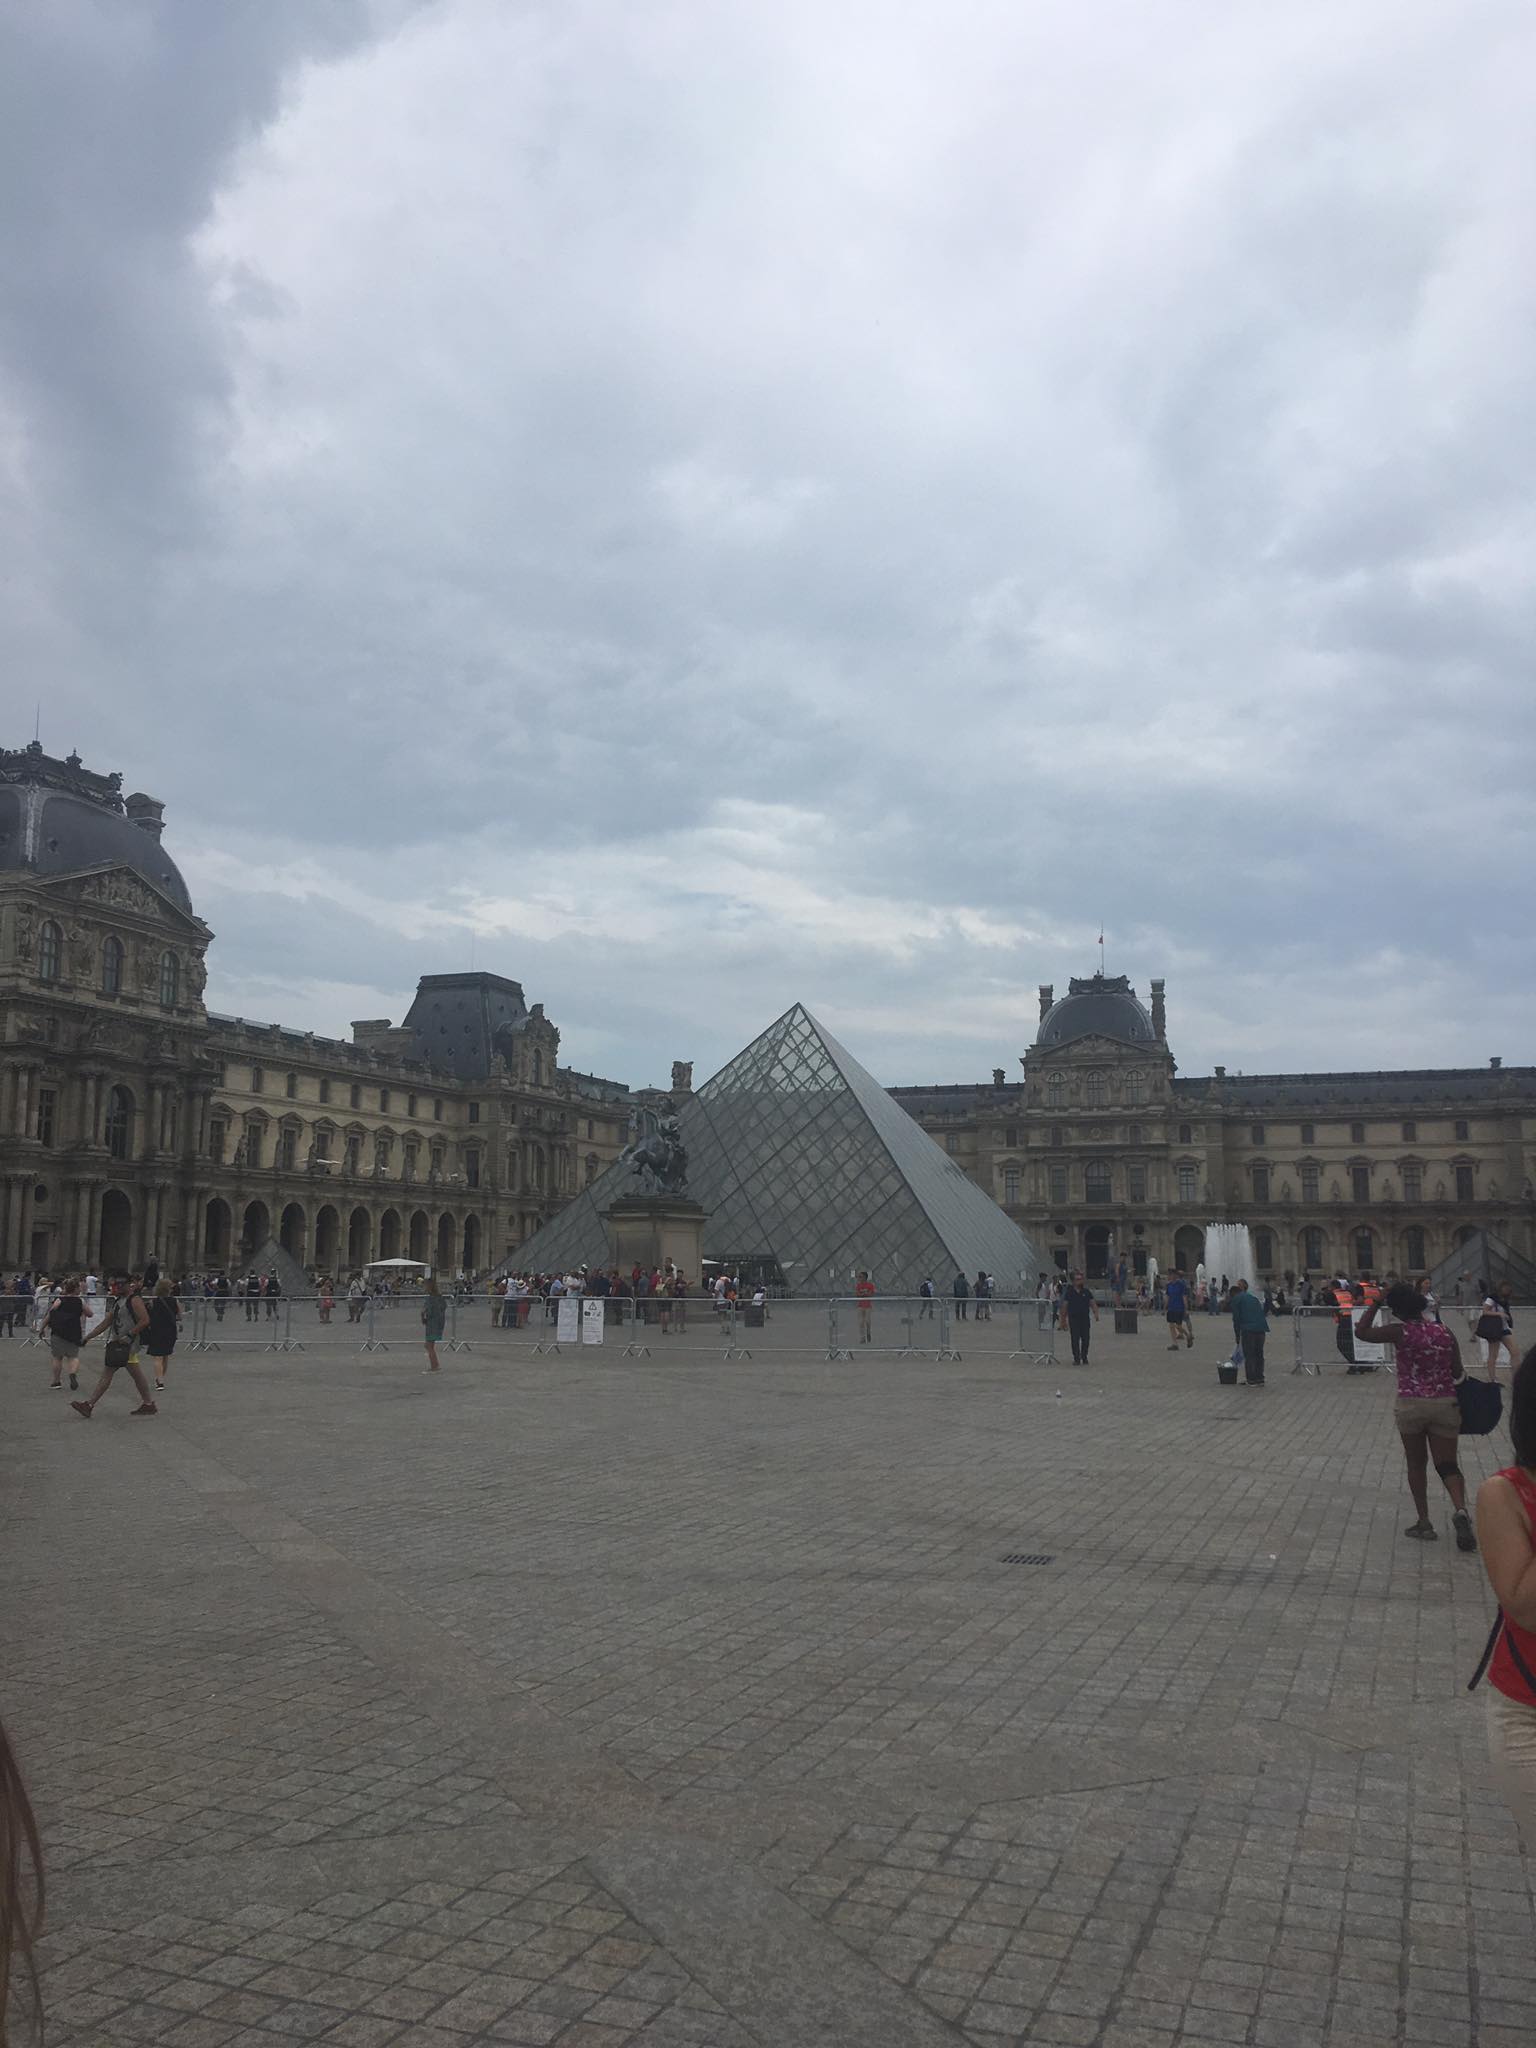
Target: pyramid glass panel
(800, 1157)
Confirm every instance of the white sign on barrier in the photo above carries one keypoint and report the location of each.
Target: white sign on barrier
(567, 1319)
(592, 1308)
(1366, 1353)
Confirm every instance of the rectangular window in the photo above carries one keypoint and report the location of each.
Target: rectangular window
(1010, 1137)
(256, 1080)
(1410, 1134)
(1360, 1183)
(1357, 1134)
(1256, 1133)
(1138, 1179)
(1309, 1183)
(355, 1096)
(254, 1136)
(291, 1087)
(381, 1152)
(1466, 1190)
(410, 1105)
(1309, 1134)
(1186, 1184)
(47, 1111)
(437, 1110)
(354, 1151)
(217, 1138)
(287, 1147)
(1096, 1185)
(411, 1150)
(1058, 1184)
(951, 1142)
(325, 1090)
(472, 1168)
(474, 1112)
(1261, 1183)
(384, 1102)
(1058, 1136)
(1011, 1186)
(1413, 1191)
(322, 1144)
(1133, 1135)
(1463, 1131)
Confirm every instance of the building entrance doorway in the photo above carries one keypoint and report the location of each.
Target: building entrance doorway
(116, 1230)
(1096, 1242)
(1188, 1248)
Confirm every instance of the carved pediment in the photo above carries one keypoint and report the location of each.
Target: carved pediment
(120, 889)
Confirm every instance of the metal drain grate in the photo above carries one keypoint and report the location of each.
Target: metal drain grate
(1027, 1557)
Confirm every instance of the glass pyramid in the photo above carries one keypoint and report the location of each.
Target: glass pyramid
(803, 1161)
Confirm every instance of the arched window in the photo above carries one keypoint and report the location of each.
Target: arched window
(119, 1131)
(591, 1168)
(170, 981)
(1264, 1250)
(1365, 1251)
(1056, 1091)
(1136, 1086)
(1098, 1089)
(50, 951)
(1312, 1249)
(1413, 1249)
(112, 968)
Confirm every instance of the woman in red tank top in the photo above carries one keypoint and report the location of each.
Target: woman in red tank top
(1506, 1524)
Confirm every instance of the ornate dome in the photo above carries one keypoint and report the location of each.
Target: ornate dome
(1102, 1004)
(56, 817)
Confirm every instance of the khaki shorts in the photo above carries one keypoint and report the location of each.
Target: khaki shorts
(1418, 1417)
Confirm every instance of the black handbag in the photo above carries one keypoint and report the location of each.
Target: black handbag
(1481, 1403)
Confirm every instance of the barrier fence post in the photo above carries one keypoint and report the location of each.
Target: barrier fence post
(455, 1341)
(946, 1349)
(635, 1345)
(835, 1349)
(210, 1339)
(732, 1348)
(290, 1342)
(371, 1342)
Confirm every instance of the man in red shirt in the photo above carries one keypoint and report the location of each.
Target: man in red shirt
(864, 1288)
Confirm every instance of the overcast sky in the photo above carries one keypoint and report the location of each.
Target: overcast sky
(700, 506)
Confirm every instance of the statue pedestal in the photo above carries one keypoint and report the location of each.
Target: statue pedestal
(658, 1230)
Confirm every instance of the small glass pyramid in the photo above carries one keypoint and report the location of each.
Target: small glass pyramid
(804, 1163)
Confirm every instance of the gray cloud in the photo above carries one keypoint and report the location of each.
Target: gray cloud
(716, 506)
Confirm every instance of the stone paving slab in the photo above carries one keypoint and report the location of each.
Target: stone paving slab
(594, 1701)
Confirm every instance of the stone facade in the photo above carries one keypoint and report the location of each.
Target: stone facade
(1102, 1148)
(134, 1121)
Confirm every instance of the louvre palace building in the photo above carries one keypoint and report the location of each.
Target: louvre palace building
(135, 1122)
(1103, 1149)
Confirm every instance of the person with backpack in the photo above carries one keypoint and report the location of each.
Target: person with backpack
(1506, 1528)
(925, 1295)
(961, 1290)
(66, 1333)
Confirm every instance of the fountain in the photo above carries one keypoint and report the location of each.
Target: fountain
(1229, 1253)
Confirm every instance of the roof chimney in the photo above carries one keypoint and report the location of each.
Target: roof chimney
(1221, 1073)
(998, 1077)
(1047, 997)
(1159, 1013)
(1496, 1063)
(146, 812)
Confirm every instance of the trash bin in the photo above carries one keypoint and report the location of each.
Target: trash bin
(1226, 1372)
(1125, 1322)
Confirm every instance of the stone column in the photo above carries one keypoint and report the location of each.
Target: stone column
(24, 1220)
(93, 1135)
(93, 1223)
(23, 1101)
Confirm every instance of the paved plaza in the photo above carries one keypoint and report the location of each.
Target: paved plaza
(593, 1701)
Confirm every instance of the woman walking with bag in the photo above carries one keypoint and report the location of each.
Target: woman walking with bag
(1495, 1325)
(1506, 1523)
(163, 1329)
(1428, 1413)
(66, 1333)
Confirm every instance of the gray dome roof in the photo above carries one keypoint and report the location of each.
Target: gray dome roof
(1101, 1004)
(49, 829)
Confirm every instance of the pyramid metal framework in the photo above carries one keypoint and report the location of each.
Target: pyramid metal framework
(800, 1157)
(1486, 1257)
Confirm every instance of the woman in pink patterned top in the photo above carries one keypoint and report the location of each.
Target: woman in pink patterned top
(1428, 1417)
